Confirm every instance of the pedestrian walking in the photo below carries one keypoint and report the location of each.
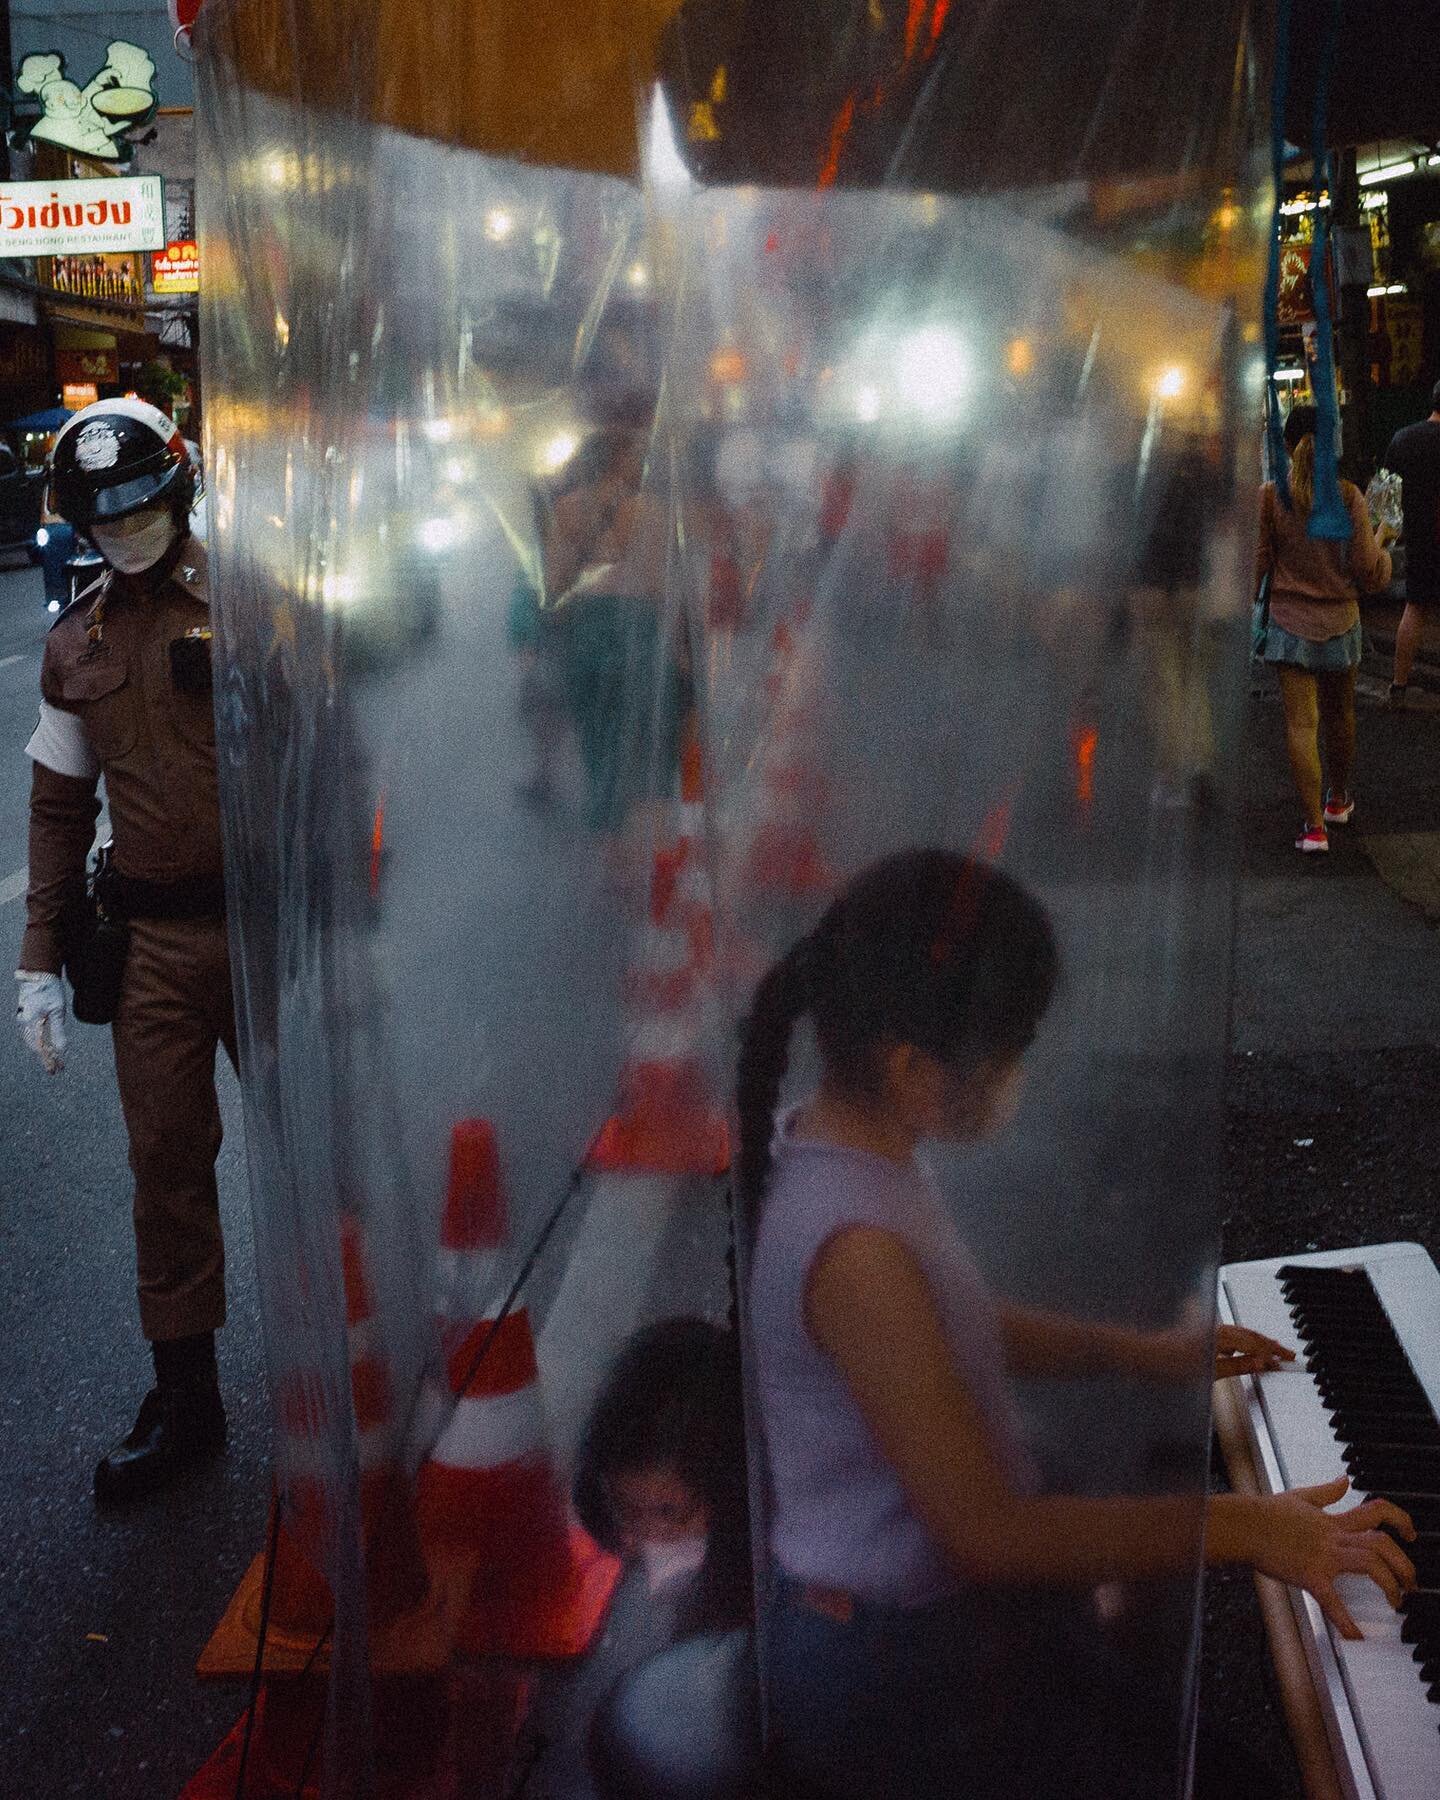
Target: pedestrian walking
(1414, 455)
(1312, 635)
(126, 693)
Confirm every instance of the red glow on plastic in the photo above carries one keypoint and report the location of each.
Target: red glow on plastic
(839, 133)
(912, 27)
(1087, 742)
(937, 24)
(994, 831)
(377, 846)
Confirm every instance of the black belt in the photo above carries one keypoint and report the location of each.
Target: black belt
(201, 897)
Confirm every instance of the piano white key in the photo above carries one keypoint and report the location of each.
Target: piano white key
(1377, 1710)
(1305, 1444)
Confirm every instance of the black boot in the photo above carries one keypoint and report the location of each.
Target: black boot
(182, 1421)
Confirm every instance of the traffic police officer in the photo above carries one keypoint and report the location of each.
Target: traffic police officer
(126, 694)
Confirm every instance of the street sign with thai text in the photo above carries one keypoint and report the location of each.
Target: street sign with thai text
(70, 218)
(176, 268)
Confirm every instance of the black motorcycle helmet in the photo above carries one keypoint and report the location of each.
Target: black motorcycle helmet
(116, 457)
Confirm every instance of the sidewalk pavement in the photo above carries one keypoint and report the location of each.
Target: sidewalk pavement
(1381, 619)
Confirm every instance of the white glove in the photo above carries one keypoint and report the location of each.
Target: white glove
(42, 1017)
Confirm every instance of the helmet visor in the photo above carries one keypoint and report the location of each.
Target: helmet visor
(130, 496)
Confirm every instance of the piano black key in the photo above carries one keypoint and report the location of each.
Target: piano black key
(1424, 1509)
(1422, 1630)
(1395, 1424)
(1425, 1554)
(1384, 1360)
(1383, 1472)
(1379, 1432)
(1372, 1329)
(1365, 1396)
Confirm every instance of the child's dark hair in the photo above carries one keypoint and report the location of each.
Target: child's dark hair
(674, 1400)
(925, 948)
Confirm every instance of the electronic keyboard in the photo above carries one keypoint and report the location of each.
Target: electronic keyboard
(1367, 1325)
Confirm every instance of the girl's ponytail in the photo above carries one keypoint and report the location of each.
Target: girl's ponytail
(781, 1001)
(1302, 474)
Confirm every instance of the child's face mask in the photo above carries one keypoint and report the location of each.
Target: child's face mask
(667, 1562)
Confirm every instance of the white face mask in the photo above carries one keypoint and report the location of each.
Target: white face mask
(136, 543)
(664, 1563)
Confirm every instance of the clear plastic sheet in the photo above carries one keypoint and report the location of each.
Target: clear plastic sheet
(660, 467)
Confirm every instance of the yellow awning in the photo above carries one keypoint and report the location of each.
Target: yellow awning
(552, 81)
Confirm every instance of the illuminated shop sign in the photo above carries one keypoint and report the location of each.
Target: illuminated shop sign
(176, 269)
(68, 218)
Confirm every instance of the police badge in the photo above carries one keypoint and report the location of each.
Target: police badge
(97, 447)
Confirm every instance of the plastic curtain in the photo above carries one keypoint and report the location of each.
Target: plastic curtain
(659, 467)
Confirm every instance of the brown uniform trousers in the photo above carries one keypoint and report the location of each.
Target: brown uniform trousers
(156, 748)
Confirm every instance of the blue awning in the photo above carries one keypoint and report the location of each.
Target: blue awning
(49, 420)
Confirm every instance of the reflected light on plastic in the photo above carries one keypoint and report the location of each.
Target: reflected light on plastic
(456, 472)
(557, 452)
(439, 431)
(932, 372)
(499, 224)
(664, 165)
(1020, 357)
(867, 405)
(728, 367)
(438, 535)
(42, 537)
(1171, 383)
(340, 590)
(54, 606)
(638, 276)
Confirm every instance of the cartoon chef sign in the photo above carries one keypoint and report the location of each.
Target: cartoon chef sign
(91, 120)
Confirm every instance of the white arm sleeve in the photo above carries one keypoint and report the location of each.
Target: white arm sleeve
(60, 742)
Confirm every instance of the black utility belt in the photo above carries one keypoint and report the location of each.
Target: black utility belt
(201, 897)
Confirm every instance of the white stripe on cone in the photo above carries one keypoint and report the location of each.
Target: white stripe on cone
(490, 1431)
(467, 1280)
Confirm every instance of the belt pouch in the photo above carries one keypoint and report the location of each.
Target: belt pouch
(95, 960)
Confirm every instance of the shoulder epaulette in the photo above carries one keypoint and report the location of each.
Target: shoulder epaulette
(86, 597)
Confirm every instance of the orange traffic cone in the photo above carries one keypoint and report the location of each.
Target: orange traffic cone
(302, 1607)
(667, 1122)
(784, 858)
(488, 1493)
(396, 1576)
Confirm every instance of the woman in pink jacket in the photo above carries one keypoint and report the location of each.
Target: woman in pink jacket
(1313, 636)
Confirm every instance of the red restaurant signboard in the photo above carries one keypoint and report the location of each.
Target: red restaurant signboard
(176, 269)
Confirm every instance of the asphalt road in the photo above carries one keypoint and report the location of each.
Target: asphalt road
(1336, 1011)
(101, 1618)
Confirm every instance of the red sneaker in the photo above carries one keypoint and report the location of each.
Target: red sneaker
(1312, 839)
(1338, 812)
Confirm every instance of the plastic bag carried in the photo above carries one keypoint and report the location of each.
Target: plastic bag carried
(667, 462)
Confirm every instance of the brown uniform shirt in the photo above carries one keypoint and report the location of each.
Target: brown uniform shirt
(154, 744)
